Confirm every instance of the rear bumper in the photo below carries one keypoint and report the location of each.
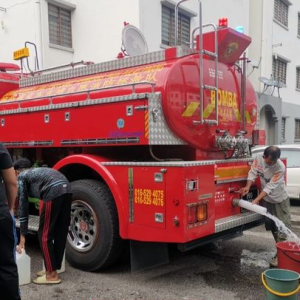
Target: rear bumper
(226, 228)
(236, 221)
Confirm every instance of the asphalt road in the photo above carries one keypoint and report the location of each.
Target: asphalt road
(227, 270)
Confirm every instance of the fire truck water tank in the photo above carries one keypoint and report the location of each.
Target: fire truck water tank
(178, 81)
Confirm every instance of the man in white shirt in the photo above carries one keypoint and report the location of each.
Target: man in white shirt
(271, 171)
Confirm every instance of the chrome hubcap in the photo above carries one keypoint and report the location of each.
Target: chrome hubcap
(83, 230)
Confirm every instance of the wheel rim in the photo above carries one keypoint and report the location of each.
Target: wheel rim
(84, 229)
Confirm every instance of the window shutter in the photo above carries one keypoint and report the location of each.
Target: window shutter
(298, 78)
(168, 27)
(60, 32)
(283, 120)
(279, 70)
(297, 129)
(281, 12)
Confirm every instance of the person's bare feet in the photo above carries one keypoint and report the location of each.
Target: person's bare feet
(52, 276)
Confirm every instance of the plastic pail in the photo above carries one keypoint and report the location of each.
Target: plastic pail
(281, 284)
(288, 254)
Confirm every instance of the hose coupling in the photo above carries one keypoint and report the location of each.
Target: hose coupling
(235, 202)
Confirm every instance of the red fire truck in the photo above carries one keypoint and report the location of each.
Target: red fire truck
(155, 146)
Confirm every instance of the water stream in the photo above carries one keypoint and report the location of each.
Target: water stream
(291, 236)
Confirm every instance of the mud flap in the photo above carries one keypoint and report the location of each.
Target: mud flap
(144, 255)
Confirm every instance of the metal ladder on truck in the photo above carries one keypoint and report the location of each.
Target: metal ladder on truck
(202, 52)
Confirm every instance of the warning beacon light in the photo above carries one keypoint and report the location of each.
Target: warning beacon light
(223, 22)
(239, 29)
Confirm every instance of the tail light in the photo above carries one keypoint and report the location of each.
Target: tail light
(197, 213)
(201, 212)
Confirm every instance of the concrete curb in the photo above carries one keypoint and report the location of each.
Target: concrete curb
(295, 220)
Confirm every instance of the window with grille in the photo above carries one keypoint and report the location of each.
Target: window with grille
(283, 120)
(298, 24)
(298, 78)
(168, 27)
(297, 129)
(60, 31)
(279, 69)
(281, 12)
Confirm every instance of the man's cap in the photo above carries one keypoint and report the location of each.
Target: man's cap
(22, 163)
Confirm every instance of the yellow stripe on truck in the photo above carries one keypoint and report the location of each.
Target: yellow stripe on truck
(231, 172)
(191, 108)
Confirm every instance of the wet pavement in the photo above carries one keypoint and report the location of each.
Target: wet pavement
(227, 270)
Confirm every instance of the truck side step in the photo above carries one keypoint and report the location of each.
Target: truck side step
(33, 224)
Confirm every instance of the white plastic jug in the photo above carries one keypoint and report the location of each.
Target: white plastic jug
(23, 263)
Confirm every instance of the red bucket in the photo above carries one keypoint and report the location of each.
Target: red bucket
(288, 254)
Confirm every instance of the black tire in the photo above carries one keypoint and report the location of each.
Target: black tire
(93, 241)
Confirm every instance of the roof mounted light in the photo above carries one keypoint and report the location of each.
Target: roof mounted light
(239, 29)
(223, 22)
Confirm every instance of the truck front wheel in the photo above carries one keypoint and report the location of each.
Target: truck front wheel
(93, 241)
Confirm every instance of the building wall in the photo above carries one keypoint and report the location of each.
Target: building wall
(256, 28)
(286, 44)
(270, 114)
(291, 112)
(18, 24)
(96, 31)
(271, 39)
(97, 27)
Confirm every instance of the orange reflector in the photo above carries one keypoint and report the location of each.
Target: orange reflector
(202, 212)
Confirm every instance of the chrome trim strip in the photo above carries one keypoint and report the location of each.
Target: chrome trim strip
(130, 195)
(9, 81)
(193, 163)
(100, 141)
(231, 180)
(28, 144)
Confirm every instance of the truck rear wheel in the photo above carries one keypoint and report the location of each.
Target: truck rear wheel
(93, 241)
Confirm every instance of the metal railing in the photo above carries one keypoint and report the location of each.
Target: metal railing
(201, 53)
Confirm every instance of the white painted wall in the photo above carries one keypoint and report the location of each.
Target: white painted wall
(212, 11)
(235, 10)
(256, 27)
(96, 31)
(97, 26)
(18, 24)
(272, 34)
(290, 49)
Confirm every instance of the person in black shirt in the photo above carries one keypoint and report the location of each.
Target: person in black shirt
(54, 189)
(9, 279)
